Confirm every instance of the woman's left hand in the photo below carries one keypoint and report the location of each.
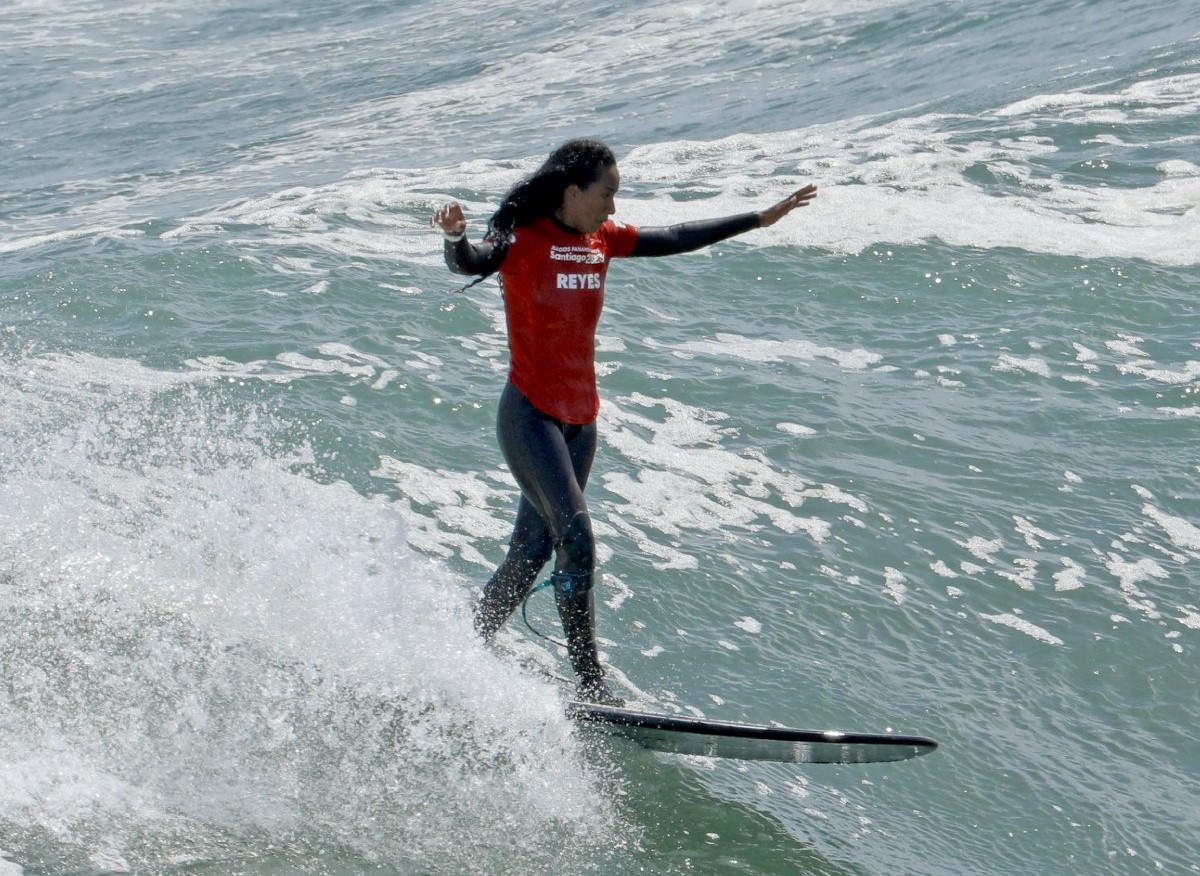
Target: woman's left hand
(449, 217)
(799, 198)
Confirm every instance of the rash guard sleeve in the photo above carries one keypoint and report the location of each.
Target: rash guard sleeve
(688, 236)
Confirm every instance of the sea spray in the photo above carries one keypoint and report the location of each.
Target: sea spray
(205, 652)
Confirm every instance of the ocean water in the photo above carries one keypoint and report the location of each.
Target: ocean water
(922, 457)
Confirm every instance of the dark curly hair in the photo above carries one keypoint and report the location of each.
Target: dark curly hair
(576, 162)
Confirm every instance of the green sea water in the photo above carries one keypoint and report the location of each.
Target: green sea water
(920, 458)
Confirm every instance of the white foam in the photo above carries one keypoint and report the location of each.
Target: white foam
(1071, 577)
(686, 479)
(904, 183)
(1021, 625)
(764, 350)
(895, 585)
(983, 548)
(1191, 412)
(618, 591)
(749, 624)
(796, 429)
(300, 362)
(1190, 372)
(1033, 535)
(1182, 533)
(237, 639)
(368, 214)
(900, 180)
(1027, 575)
(1133, 574)
(360, 369)
(1155, 222)
(1018, 364)
(661, 556)
(1071, 100)
(1127, 345)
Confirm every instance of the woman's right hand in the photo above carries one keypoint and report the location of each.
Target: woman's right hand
(798, 198)
(449, 218)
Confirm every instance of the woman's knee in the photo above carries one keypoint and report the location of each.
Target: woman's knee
(577, 548)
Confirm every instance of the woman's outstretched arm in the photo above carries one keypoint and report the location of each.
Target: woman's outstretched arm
(688, 236)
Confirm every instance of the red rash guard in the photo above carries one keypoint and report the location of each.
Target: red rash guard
(553, 293)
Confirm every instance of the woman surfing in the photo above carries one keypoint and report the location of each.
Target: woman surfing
(551, 240)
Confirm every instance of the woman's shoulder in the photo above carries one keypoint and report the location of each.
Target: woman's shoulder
(617, 227)
(619, 238)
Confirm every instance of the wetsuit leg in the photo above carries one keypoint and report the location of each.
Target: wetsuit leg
(576, 607)
(551, 463)
(576, 550)
(528, 551)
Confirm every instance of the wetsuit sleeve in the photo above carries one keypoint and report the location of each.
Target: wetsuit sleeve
(464, 257)
(687, 236)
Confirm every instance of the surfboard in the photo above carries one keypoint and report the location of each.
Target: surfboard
(679, 734)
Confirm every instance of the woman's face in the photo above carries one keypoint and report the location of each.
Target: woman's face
(586, 209)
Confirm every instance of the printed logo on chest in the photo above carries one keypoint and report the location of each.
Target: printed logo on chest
(585, 255)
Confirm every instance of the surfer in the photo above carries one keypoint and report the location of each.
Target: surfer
(551, 241)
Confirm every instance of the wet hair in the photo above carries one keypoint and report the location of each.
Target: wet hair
(576, 162)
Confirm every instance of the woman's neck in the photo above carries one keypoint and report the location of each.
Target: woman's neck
(558, 220)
